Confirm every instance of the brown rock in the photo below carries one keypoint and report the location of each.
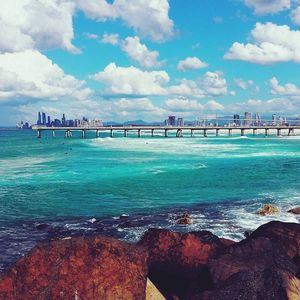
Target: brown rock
(177, 261)
(268, 209)
(152, 293)
(78, 268)
(184, 219)
(295, 210)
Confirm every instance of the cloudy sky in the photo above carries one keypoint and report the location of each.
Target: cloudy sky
(145, 59)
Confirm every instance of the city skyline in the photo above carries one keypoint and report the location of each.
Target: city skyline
(188, 58)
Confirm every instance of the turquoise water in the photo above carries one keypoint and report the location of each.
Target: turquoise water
(74, 182)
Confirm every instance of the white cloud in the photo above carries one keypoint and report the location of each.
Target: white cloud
(295, 15)
(191, 63)
(213, 105)
(243, 84)
(112, 39)
(30, 24)
(213, 83)
(140, 53)
(149, 18)
(183, 104)
(132, 81)
(290, 90)
(272, 44)
(31, 74)
(186, 88)
(263, 7)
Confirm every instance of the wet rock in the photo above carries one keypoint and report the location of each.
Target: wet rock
(78, 268)
(227, 242)
(177, 261)
(184, 219)
(268, 209)
(247, 234)
(295, 210)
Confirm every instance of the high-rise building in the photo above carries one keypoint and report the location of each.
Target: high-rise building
(172, 120)
(63, 120)
(236, 120)
(248, 118)
(180, 122)
(274, 119)
(257, 119)
(49, 121)
(39, 121)
(43, 118)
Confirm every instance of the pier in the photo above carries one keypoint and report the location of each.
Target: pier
(165, 130)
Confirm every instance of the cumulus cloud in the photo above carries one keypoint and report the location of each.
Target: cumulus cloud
(112, 38)
(264, 7)
(140, 53)
(295, 15)
(132, 81)
(29, 24)
(290, 90)
(213, 83)
(183, 104)
(213, 105)
(31, 74)
(191, 63)
(148, 18)
(243, 84)
(272, 44)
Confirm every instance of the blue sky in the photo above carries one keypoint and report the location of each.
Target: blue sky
(145, 59)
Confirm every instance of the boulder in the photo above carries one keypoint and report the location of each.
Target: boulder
(177, 261)
(184, 219)
(256, 285)
(78, 268)
(295, 210)
(268, 209)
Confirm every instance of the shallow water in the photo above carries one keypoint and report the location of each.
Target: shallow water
(78, 186)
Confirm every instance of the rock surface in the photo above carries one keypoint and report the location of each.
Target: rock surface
(268, 209)
(78, 268)
(177, 261)
(184, 219)
(295, 210)
(152, 293)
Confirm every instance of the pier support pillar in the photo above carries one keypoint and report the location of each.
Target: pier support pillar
(254, 132)
(217, 132)
(125, 133)
(53, 133)
(166, 132)
(83, 134)
(230, 132)
(266, 132)
(39, 133)
(205, 133)
(278, 132)
(291, 132)
(97, 133)
(242, 132)
(152, 132)
(111, 133)
(192, 133)
(139, 132)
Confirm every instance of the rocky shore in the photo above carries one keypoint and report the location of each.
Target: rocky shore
(162, 265)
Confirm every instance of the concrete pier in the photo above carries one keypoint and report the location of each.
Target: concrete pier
(177, 131)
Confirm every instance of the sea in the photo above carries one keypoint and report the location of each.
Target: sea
(120, 187)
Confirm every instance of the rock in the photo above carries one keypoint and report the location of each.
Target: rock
(264, 266)
(268, 209)
(42, 226)
(78, 268)
(247, 234)
(227, 242)
(152, 293)
(184, 219)
(256, 285)
(177, 261)
(295, 210)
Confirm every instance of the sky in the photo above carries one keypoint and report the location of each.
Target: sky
(123, 60)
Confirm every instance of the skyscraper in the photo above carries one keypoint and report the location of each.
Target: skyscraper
(274, 119)
(172, 120)
(236, 120)
(63, 120)
(43, 118)
(39, 121)
(248, 118)
(180, 122)
(49, 121)
(257, 119)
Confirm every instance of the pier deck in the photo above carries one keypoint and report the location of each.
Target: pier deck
(166, 129)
